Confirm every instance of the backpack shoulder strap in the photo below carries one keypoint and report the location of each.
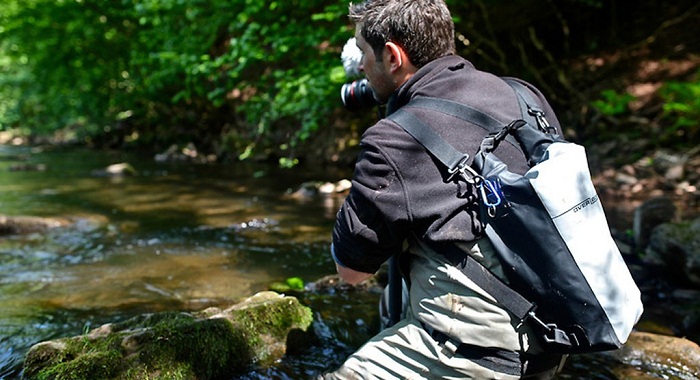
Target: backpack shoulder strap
(529, 108)
(458, 110)
(454, 160)
(485, 279)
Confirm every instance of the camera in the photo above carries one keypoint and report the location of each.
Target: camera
(356, 95)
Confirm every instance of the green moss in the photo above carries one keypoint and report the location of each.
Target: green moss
(211, 346)
(89, 366)
(278, 318)
(169, 346)
(84, 359)
(164, 319)
(292, 285)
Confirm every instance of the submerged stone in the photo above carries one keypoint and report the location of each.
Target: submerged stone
(18, 225)
(212, 344)
(662, 356)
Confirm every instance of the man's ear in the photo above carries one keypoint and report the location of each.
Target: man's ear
(395, 56)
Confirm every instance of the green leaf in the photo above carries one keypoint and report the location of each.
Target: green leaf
(295, 283)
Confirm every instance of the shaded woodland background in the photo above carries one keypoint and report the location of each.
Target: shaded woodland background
(254, 79)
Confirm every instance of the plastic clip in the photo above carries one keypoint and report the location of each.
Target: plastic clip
(488, 144)
(553, 335)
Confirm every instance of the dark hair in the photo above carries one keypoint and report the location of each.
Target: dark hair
(424, 28)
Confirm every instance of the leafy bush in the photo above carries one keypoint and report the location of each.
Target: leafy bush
(681, 110)
(263, 73)
(613, 103)
(72, 55)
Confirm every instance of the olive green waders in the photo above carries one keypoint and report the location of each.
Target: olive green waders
(452, 330)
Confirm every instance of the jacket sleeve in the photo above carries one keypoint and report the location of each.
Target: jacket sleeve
(372, 222)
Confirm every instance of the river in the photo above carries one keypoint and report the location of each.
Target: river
(174, 236)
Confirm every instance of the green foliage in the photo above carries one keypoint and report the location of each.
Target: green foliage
(295, 283)
(291, 284)
(12, 72)
(681, 109)
(286, 70)
(69, 56)
(613, 103)
(256, 78)
(680, 120)
(242, 76)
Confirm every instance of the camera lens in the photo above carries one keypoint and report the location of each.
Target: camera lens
(357, 95)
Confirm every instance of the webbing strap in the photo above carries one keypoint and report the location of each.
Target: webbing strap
(462, 112)
(525, 100)
(436, 145)
(456, 161)
(505, 296)
(483, 278)
(441, 149)
(458, 110)
(529, 108)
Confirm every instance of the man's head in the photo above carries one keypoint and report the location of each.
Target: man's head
(397, 37)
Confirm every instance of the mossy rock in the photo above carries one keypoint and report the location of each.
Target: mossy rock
(212, 344)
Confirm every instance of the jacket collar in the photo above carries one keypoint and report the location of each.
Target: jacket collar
(404, 94)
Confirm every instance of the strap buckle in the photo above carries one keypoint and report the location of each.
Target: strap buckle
(464, 171)
(553, 335)
(542, 122)
(490, 142)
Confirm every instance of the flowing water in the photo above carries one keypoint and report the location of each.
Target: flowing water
(172, 237)
(175, 236)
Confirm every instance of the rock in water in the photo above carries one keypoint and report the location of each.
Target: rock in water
(212, 344)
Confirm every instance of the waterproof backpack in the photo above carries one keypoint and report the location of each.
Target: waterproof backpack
(564, 273)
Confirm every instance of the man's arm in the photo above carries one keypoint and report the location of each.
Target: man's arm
(371, 224)
(351, 276)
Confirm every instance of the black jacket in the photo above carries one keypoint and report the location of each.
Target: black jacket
(398, 188)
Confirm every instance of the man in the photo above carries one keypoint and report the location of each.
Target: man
(401, 204)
